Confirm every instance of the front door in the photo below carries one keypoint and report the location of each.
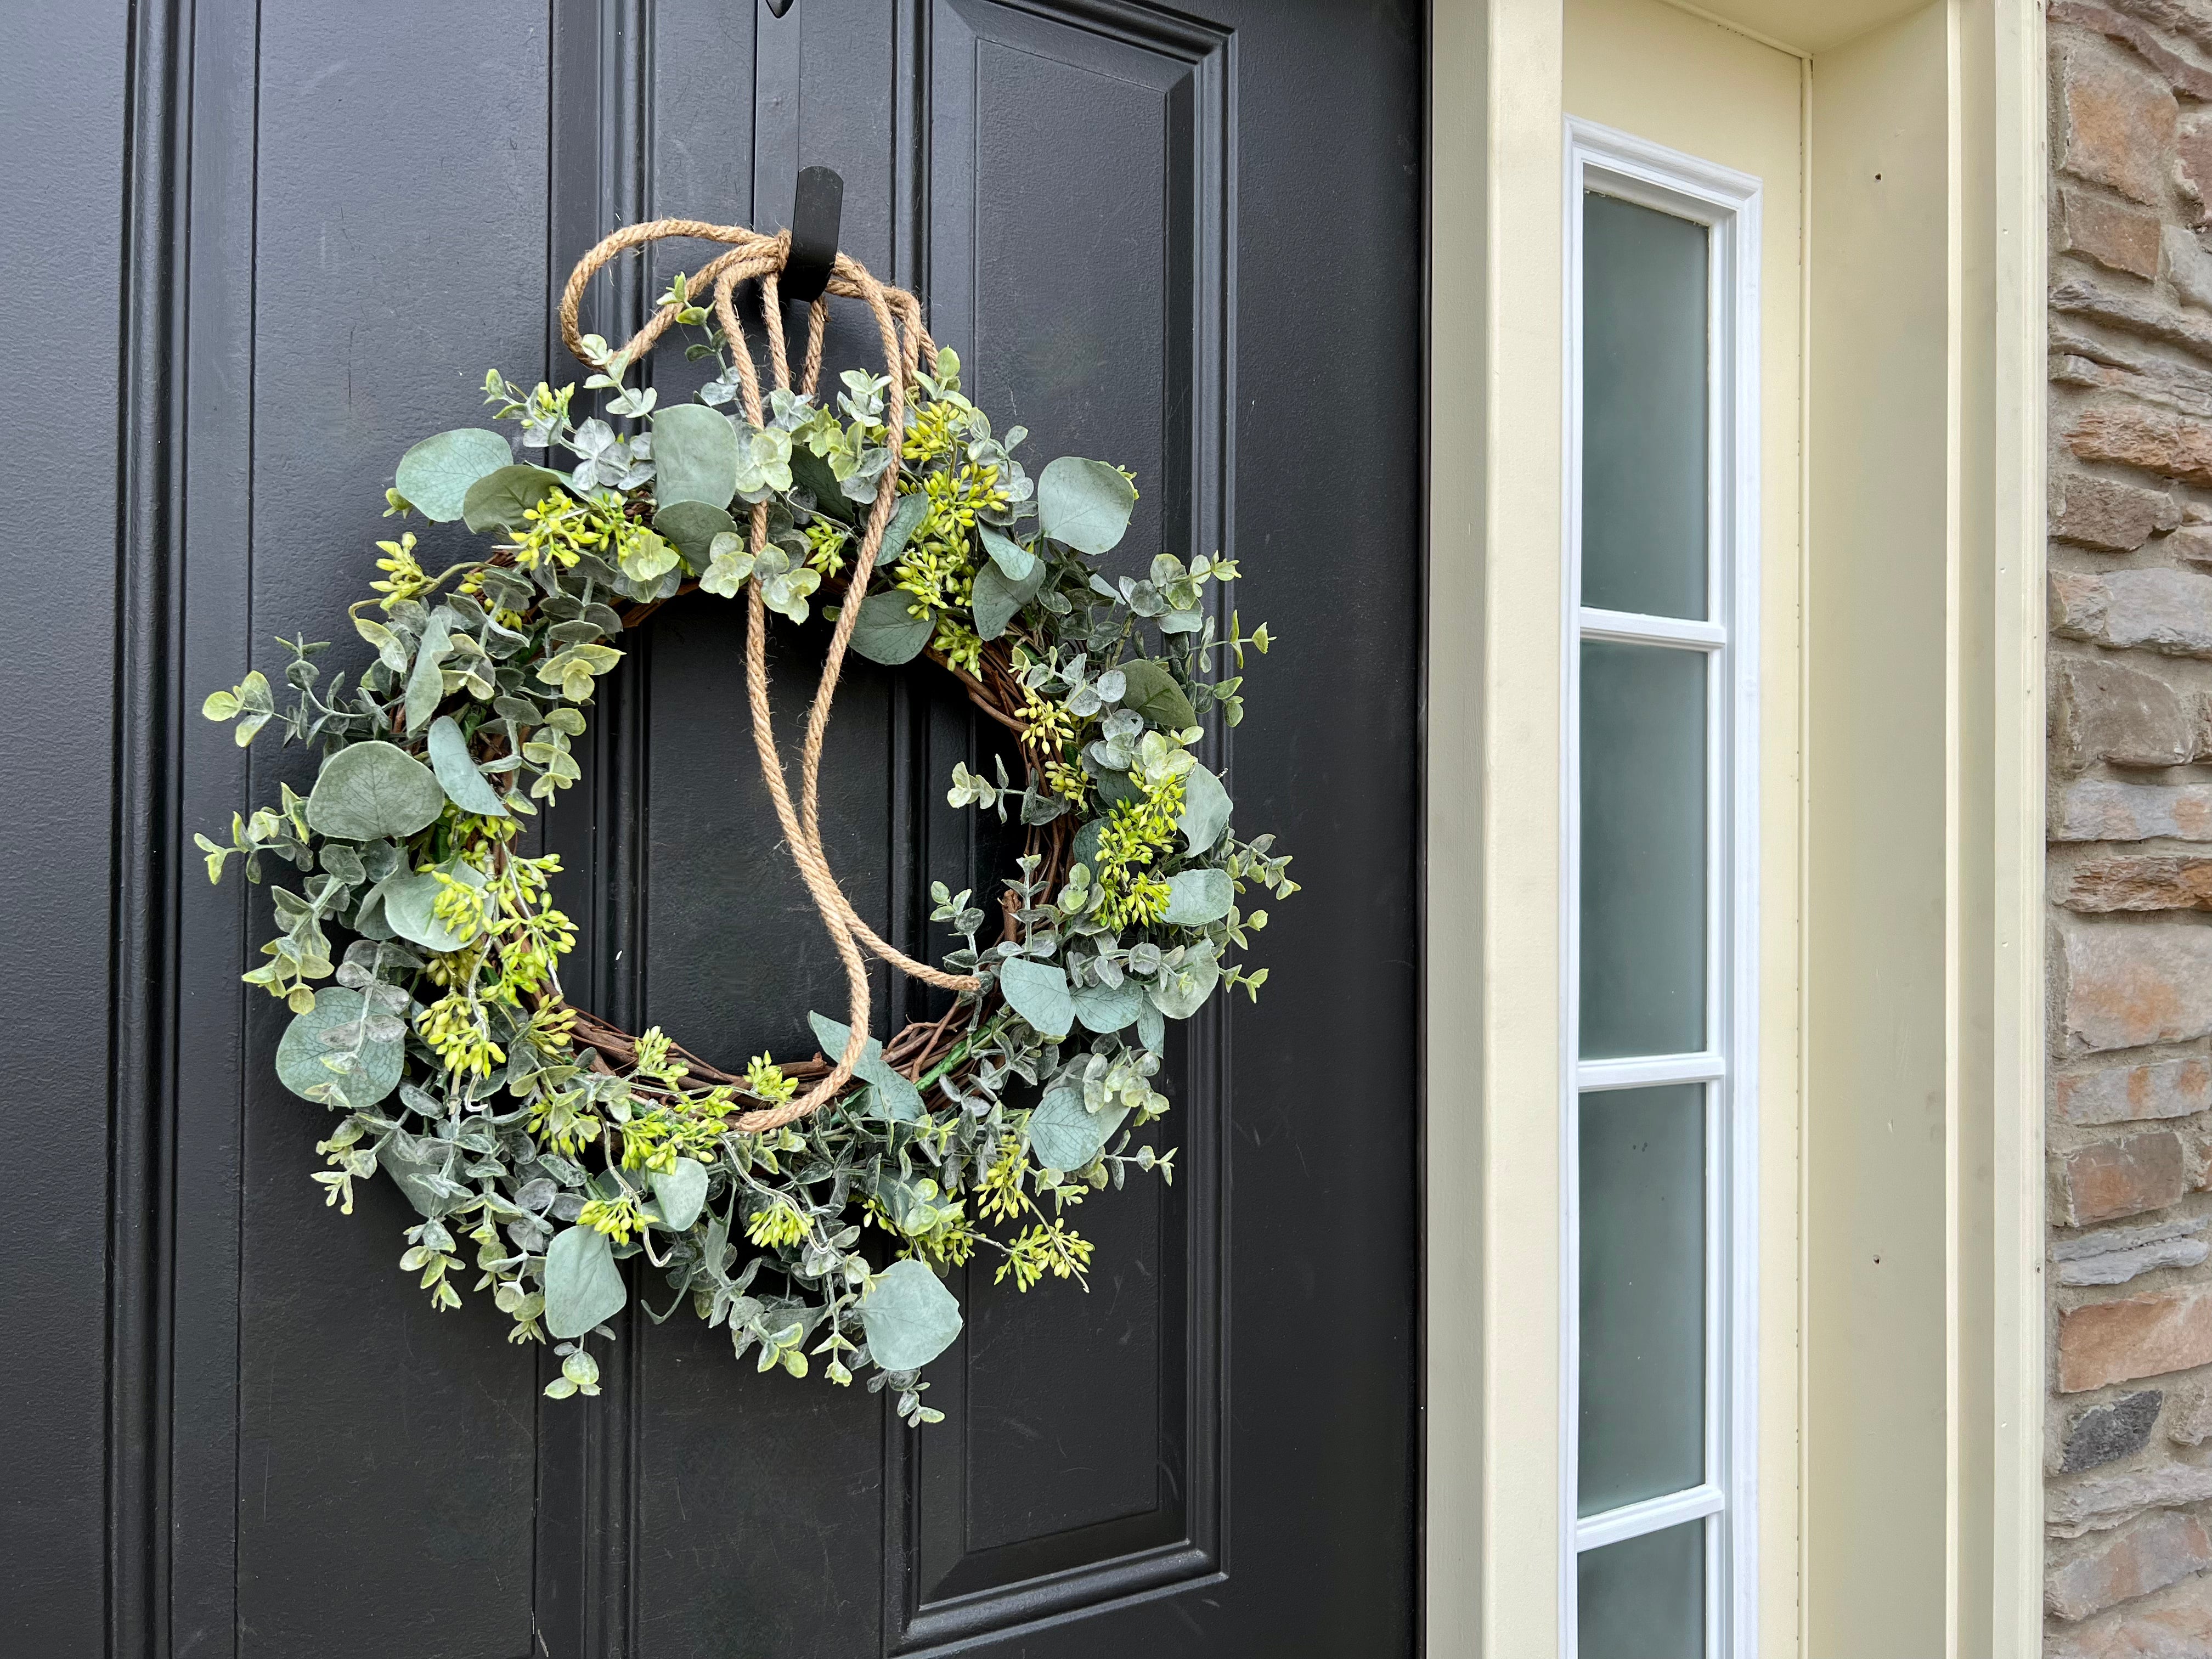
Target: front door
(1188, 243)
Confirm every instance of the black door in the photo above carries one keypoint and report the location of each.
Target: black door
(1186, 240)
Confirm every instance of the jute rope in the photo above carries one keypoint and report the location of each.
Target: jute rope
(899, 324)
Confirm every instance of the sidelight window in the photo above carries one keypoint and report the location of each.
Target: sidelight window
(1661, 815)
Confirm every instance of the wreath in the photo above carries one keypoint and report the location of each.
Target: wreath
(813, 1207)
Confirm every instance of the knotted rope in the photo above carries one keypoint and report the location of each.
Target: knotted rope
(897, 315)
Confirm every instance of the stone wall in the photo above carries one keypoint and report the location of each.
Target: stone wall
(2128, 1562)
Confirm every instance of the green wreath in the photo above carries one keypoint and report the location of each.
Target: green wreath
(812, 1207)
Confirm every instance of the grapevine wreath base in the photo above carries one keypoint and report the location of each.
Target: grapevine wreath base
(810, 1208)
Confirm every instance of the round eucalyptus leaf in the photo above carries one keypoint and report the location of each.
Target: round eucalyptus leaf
(911, 1317)
(1199, 896)
(679, 1193)
(897, 1098)
(691, 527)
(583, 1286)
(694, 455)
(364, 1078)
(1179, 993)
(422, 1180)
(886, 633)
(1016, 563)
(1084, 851)
(998, 599)
(1205, 809)
(410, 898)
(1105, 1008)
(1037, 991)
(1064, 1135)
(811, 473)
(1084, 505)
(434, 475)
(465, 785)
(1151, 691)
(498, 499)
(371, 789)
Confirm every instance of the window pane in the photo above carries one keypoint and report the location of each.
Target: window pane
(1642, 850)
(1643, 409)
(1642, 1321)
(1644, 1598)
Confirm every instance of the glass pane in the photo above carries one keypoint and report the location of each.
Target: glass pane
(1644, 850)
(1643, 1318)
(1643, 409)
(1644, 1598)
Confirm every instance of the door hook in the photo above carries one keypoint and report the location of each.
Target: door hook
(816, 205)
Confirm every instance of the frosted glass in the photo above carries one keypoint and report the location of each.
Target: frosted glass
(1643, 409)
(1642, 987)
(1642, 1425)
(1644, 1598)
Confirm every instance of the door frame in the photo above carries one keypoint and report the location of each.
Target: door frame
(1494, 966)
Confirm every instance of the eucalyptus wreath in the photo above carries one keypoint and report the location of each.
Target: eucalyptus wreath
(817, 1227)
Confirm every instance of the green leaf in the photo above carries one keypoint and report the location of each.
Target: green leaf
(1179, 993)
(219, 705)
(899, 1100)
(1205, 808)
(498, 499)
(1109, 1007)
(910, 1317)
(1017, 561)
(1198, 896)
(583, 1286)
(1085, 849)
(465, 785)
(694, 455)
(426, 686)
(1084, 505)
(301, 1054)
(691, 527)
(810, 473)
(998, 598)
(390, 647)
(886, 633)
(371, 789)
(1037, 991)
(1151, 691)
(434, 475)
(1064, 1135)
(420, 1180)
(680, 1194)
(409, 901)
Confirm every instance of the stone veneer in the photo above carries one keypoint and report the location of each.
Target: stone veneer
(2129, 1431)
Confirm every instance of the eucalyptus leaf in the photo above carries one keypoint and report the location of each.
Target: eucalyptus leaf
(811, 473)
(911, 1317)
(691, 527)
(1180, 992)
(1205, 809)
(1037, 991)
(1105, 1008)
(1084, 505)
(1151, 1029)
(998, 599)
(1065, 1135)
(899, 1099)
(1016, 563)
(426, 686)
(1196, 898)
(301, 1053)
(1084, 851)
(680, 1194)
(498, 499)
(465, 785)
(906, 519)
(1152, 691)
(886, 633)
(434, 475)
(371, 789)
(422, 1180)
(695, 456)
(583, 1286)
(410, 898)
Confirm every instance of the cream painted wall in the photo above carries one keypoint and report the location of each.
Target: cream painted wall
(1665, 74)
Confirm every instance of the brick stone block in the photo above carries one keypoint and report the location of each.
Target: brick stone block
(2117, 122)
(2120, 1094)
(2192, 154)
(2151, 440)
(2165, 611)
(2107, 711)
(2145, 1335)
(2099, 809)
(2119, 986)
(2118, 238)
(2154, 1551)
(2174, 1624)
(2142, 881)
(2192, 542)
(2112, 1179)
(2115, 517)
(2107, 1432)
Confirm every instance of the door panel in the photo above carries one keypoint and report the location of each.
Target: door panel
(1187, 244)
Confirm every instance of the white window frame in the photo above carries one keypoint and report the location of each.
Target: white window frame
(1616, 164)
